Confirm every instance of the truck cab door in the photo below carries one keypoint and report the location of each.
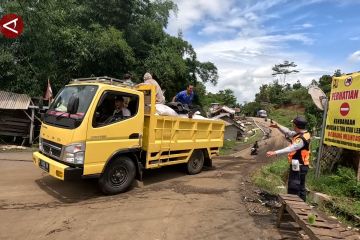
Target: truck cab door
(116, 124)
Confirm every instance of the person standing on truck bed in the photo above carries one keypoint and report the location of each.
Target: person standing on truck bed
(298, 155)
(148, 80)
(186, 96)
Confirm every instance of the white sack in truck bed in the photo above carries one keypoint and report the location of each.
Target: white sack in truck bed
(164, 110)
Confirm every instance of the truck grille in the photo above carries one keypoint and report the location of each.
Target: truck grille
(51, 149)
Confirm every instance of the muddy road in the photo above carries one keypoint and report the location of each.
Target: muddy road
(168, 205)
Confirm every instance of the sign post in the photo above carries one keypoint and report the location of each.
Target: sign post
(323, 125)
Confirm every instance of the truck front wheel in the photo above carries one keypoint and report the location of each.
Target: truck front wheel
(118, 176)
(196, 162)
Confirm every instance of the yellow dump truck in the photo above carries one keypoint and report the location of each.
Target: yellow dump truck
(99, 127)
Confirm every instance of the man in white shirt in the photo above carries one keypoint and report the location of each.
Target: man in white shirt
(120, 109)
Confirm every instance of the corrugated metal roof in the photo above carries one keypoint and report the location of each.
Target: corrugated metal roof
(9, 100)
(227, 109)
(221, 115)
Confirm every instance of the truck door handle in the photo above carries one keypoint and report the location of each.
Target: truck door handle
(134, 136)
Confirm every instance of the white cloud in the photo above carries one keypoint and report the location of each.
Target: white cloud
(243, 46)
(192, 12)
(355, 56)
(307, 25)
(245, 64)
(354, 38)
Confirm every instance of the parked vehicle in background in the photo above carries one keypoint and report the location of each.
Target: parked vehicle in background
(262, 114)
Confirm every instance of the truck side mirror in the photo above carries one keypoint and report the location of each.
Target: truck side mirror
(73, 104)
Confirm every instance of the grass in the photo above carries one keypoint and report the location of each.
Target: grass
(228, 145)
(272, 177)
(342, 186)
(284, 116)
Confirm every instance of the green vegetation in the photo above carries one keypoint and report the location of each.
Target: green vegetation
(341, 185)
(275, 96)
(228, 146)
(73, 38)
(284, 116)
(225, 97)
(272, 177)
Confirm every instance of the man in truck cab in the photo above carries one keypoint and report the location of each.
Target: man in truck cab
(120, 110)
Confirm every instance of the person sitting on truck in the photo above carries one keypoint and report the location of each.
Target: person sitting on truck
(148, 80)
(186, 96)
(127, 79)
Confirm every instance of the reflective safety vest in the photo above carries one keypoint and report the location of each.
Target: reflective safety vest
(303, 154)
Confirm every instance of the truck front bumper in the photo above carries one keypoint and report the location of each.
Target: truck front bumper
(56, 169)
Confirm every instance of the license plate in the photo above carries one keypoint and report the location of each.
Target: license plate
(44, 165)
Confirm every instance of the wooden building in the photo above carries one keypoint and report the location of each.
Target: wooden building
(233, 130)
(17, 116)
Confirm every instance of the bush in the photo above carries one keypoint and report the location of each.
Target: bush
(341, 184)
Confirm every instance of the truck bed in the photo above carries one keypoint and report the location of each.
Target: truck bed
(171, 140)
(175, 138)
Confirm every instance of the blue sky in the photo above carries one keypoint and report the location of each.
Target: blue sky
(245, 38)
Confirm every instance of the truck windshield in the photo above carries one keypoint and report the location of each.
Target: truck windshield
(58, 112)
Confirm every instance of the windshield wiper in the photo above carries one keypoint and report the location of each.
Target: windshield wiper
(58, 116)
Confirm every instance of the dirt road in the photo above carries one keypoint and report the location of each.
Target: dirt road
(171, 205)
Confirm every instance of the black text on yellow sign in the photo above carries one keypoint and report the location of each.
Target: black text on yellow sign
(343, 119)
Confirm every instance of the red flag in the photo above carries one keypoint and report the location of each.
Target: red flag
(49, 93)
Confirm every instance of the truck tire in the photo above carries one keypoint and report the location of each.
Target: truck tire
(118, 176)
(195, 163)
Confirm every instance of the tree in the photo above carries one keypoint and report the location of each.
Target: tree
(224, 97)
(251, 108)
(337, 73)
(207, 72)
(325, 84)
(297, 85)
(103, 39)
(284, 69)
(264, 94)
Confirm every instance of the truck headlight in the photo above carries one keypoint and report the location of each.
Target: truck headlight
(41, 145)
(74, 153)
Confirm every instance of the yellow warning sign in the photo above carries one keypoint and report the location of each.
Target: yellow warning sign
(343, 119)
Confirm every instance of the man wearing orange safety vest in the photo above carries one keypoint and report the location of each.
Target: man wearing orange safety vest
(298, 155)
